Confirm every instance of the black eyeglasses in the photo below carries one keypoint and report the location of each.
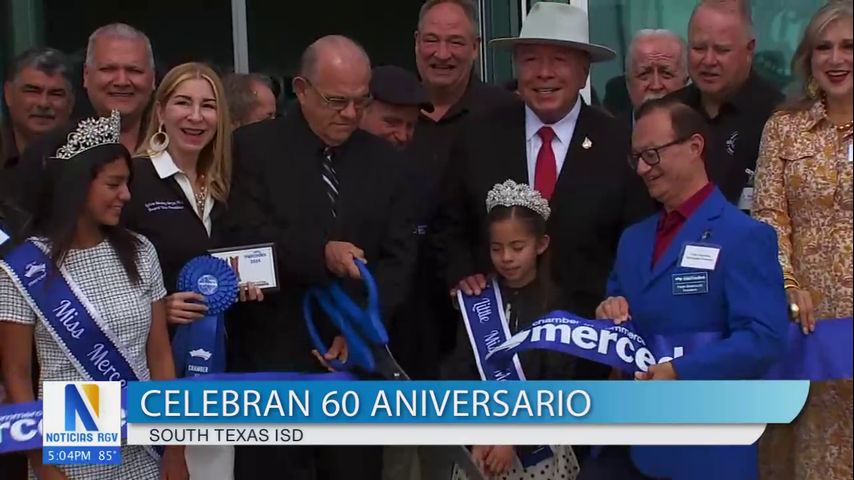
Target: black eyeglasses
(652, 156)
(340, 103)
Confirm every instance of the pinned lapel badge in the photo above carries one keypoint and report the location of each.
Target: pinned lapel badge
(586, 144)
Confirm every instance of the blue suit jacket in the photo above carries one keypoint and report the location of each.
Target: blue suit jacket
(746, 301)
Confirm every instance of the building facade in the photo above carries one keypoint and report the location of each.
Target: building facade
(267, 35)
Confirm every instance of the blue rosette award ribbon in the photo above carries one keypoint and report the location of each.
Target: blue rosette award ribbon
(199, 348)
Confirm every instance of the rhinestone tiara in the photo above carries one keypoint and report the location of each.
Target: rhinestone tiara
(512, 194)
(91, 133)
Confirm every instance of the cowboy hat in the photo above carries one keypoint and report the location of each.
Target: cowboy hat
(557, 24)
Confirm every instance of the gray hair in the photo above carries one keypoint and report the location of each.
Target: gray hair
(469, 7)
(49, 61)
(240, 93)
(741, 8)
(122, 31)
(658, 33)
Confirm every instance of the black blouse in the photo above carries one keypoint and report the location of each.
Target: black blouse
(159, 209)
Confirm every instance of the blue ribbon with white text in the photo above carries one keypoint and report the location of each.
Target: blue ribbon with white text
(199, 348)
(485, 322)
(825, 354)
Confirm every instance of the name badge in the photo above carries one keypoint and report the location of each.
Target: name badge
(3, 236)
(690, 283)
(703, 257)
(850, 152)
(745, 201)
(252, 263)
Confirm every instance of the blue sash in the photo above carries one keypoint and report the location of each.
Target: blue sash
(483, 316)
(71, 319)
(485, 322)
(199, 348)
(21, 423)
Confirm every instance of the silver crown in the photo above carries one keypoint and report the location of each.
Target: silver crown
(91, 133)
(512, 194)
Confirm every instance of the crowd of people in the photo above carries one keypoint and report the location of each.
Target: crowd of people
(444, 186)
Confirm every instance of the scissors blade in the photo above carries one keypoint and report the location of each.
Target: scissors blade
(387, 366)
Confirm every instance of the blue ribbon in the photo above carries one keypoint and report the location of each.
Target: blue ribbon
(199, 348)
(63, 310)
(20, 423)
(619, 346)
(825, 354)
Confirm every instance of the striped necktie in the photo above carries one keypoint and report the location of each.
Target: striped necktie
(330, 179)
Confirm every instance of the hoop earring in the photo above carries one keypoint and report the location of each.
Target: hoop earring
(159, 141)
(813, 90)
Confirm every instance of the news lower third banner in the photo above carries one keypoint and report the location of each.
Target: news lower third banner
(452, 413)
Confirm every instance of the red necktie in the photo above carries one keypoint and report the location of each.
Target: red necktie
(545, 173)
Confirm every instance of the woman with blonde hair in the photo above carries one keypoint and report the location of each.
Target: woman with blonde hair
(804, 190)
(178, 193)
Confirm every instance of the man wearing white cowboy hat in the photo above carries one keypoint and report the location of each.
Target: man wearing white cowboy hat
(575, 155)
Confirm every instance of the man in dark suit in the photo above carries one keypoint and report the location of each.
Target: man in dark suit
(573, 154)
(327, 194)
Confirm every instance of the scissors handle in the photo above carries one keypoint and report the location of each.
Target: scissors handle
(367, 321)
(356, 325)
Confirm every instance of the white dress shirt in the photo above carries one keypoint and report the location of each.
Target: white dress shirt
(165, 167)
(203, 461)
(563, 129)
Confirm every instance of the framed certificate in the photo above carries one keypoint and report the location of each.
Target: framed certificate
(252, 263)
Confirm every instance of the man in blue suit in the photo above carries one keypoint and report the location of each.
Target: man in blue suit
(698, 266)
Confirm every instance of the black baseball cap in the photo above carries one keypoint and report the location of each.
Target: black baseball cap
(398, 86)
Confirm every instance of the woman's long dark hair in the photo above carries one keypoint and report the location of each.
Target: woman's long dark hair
(64, 196)
(535, 224)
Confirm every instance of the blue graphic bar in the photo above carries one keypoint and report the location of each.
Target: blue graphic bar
(472, 402)
(82, 455)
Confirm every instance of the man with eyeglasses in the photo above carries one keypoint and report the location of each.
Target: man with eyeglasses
(700, 266)
(326, 194)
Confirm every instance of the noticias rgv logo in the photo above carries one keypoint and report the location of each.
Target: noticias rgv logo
(82, 423)
(82, 408)
(76, 407)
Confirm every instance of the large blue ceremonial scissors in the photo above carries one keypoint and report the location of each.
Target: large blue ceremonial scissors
(367, 345)
(367, 338)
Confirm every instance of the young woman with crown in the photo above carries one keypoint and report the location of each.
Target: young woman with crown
(105, 288)
(518, 246)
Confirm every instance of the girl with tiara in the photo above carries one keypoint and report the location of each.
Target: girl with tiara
(518, 246)
(107, 277)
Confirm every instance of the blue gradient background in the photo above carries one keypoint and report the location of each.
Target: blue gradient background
(622, 402)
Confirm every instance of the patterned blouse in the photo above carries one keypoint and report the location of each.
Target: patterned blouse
(126, 309)
(804, 190)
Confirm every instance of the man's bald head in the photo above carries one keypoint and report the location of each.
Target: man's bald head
(333, 87)
(334, 51)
